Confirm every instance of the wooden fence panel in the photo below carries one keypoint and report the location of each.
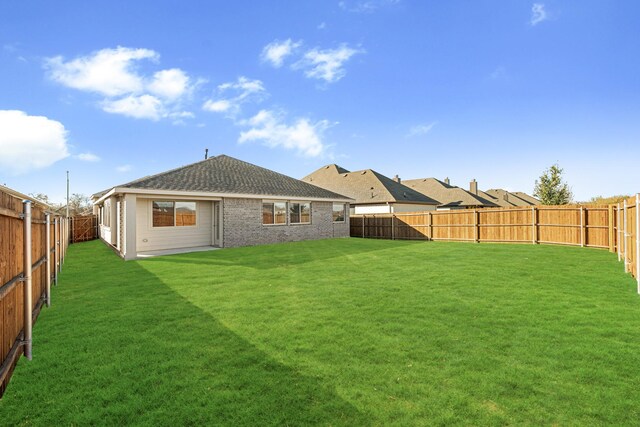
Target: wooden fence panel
(84, 228)
(608, 227)
(12, 287)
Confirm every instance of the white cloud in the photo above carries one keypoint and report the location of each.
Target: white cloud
(538, 14)
(322, 26)
(87, 157)
(124, 168)
(326, 64)
(30, 142)
(108, 72)
(242, 91)
(276, 51)
(421, 129)
(139, 107)
(303, 135)
(113, 73)
(500, 73)
(169, 84)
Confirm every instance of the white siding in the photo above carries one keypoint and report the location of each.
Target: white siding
(151, 238)
(408, 207)
(372, 209)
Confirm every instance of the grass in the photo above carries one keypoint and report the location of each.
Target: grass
(336, 332)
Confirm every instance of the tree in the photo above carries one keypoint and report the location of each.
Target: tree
(550, 189)
(79, 204)
(599, 200)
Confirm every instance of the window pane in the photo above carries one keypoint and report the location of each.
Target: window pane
(267, 213)
(305, 212)
(338, 212)
(163, 214)
(280, 211)
(185, 213)
(294, 213)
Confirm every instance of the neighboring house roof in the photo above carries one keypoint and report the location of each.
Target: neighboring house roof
(226, 175)
(448, 195)
(527, 198)
(511, 199)
(366, 186)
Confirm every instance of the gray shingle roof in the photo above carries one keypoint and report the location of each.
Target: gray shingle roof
(365, 186)
(448, 195)
(511, 199)
(226, 175)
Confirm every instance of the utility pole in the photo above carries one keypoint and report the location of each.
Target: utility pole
(67, 194)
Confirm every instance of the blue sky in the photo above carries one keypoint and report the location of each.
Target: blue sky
(492, 90)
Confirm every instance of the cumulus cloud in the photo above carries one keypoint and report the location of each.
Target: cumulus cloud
(123, 168)
(327, 64)
(422, 129)
(87, 157)
(538, 14)
(303, 136)
(232, 95)
(30, 142)
(114, 74)
(276, 51)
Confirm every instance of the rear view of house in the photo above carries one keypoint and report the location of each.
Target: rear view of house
(221, 202)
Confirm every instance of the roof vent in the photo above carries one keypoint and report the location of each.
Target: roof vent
(397, 179)
(446, 181)
(363, 172)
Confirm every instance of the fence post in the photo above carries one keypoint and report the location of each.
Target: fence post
(55, 251)
(48, 257)
(28, 299)
(624, 235)
(637, 212)
(363, 218)
(476, 226)
(431, 225)
(392, 228)
(583, 227)
(534, 225)
(611, 229)
(618, 230)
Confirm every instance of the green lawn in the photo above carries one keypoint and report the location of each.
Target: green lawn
(336, 332)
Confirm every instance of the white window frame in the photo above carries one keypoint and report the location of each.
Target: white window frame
(344, 213)
(160, 227)
(299, 213)
(274, 202)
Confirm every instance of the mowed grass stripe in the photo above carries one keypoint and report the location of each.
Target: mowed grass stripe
(336, 332)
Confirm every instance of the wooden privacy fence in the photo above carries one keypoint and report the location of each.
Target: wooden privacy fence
(83, 228)
(611, 227)
(33, 244)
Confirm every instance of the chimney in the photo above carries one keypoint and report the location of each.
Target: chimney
(473, 187)
(397, 179)
(206, 153)
(505, 196)
(446, 180)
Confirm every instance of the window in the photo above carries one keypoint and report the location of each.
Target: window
(185, 213)
(170, 214)
(106, 213)
(274, 213)
(338, 212)
(299, 213)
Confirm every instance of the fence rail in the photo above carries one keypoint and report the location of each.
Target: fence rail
(612, 227)
(33, 243)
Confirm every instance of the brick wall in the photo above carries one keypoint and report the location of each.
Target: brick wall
(243, 225)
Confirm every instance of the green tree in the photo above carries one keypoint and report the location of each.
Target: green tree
(551, 189)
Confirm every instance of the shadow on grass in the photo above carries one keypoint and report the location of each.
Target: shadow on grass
(124, 348)
(277, 255)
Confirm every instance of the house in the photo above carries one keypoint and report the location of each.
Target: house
(219, 202)
(509, 199)
(449, 196)
(373, 192)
